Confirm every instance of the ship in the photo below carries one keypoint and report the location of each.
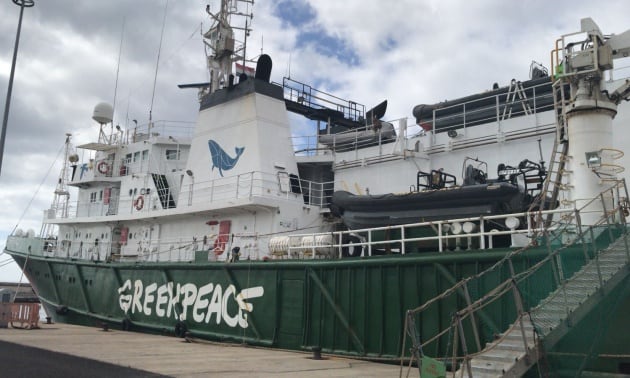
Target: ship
(362, 239)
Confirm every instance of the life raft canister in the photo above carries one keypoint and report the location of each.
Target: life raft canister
(103, 167)
(138, 203)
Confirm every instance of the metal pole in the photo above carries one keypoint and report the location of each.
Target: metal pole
(23, 4)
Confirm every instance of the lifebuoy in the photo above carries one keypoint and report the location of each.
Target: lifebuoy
(138, 203)
(103, 167)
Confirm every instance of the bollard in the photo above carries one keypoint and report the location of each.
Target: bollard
(317, 353)
(48, 320)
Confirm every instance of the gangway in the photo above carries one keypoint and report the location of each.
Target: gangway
(537, 327)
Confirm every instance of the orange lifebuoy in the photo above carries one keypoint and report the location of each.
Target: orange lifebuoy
(138, 203)
(103, 167)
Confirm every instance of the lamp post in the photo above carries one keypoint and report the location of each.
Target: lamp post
(23, 4)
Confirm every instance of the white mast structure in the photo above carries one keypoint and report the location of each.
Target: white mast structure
(589, 112)
(61, 200)
(221, 46)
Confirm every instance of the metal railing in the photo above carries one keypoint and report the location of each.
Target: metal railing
(558, 239)
(204, 193)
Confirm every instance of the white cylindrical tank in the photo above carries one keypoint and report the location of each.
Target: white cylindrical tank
(589, 131)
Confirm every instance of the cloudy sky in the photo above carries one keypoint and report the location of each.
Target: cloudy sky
(406, 51)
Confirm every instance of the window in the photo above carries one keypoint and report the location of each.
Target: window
(93, 197)
(295, 183)
(136, 156)
(145, 155)
(172, 154)
(128, 158)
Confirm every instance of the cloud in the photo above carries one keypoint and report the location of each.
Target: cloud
(406, 51)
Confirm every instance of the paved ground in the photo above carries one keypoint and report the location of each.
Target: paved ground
(22, 361)
(73, 351)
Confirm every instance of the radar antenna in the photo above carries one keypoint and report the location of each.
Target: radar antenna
(222, 46)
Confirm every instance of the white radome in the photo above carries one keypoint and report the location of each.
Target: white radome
(103, 113)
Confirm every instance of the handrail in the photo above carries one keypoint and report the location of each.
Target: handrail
(244, 185)
(509, 284)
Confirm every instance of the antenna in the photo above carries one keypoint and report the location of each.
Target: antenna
(223, 48)
(157, 65)
(122, 34)
(289, 66)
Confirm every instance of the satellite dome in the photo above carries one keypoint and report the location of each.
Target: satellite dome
(103, 113)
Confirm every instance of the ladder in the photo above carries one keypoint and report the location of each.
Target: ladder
(556, 171)
(515, 90)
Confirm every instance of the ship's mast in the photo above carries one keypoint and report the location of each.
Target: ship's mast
(581, 60)
(61, 201)
(222, 46)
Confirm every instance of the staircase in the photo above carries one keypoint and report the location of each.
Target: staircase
(163, 191)
(511, 355)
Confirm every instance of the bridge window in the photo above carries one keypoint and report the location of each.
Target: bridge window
(172, 154)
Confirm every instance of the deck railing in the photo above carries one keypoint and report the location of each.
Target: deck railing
(205, 193)
(443, 235)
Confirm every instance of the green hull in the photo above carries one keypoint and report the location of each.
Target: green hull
(352, 307)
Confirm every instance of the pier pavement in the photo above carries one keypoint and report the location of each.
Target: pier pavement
(61, 350)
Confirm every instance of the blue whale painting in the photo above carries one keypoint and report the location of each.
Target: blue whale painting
(221, 159)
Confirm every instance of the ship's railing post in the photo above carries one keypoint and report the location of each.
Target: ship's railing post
(518, 302)
(340, 247)
(402, 240)
(578, 223)
(482, 233)
(473, 321)
(462, 339)
(498, 111)
(251, 184)
(606, 215)
(623, 217)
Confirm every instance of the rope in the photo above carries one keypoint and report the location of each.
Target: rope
(502, 288)
(38, 188)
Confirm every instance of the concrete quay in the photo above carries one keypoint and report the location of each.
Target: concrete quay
(93, 352)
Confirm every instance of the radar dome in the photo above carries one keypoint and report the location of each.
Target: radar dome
(103, 113)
